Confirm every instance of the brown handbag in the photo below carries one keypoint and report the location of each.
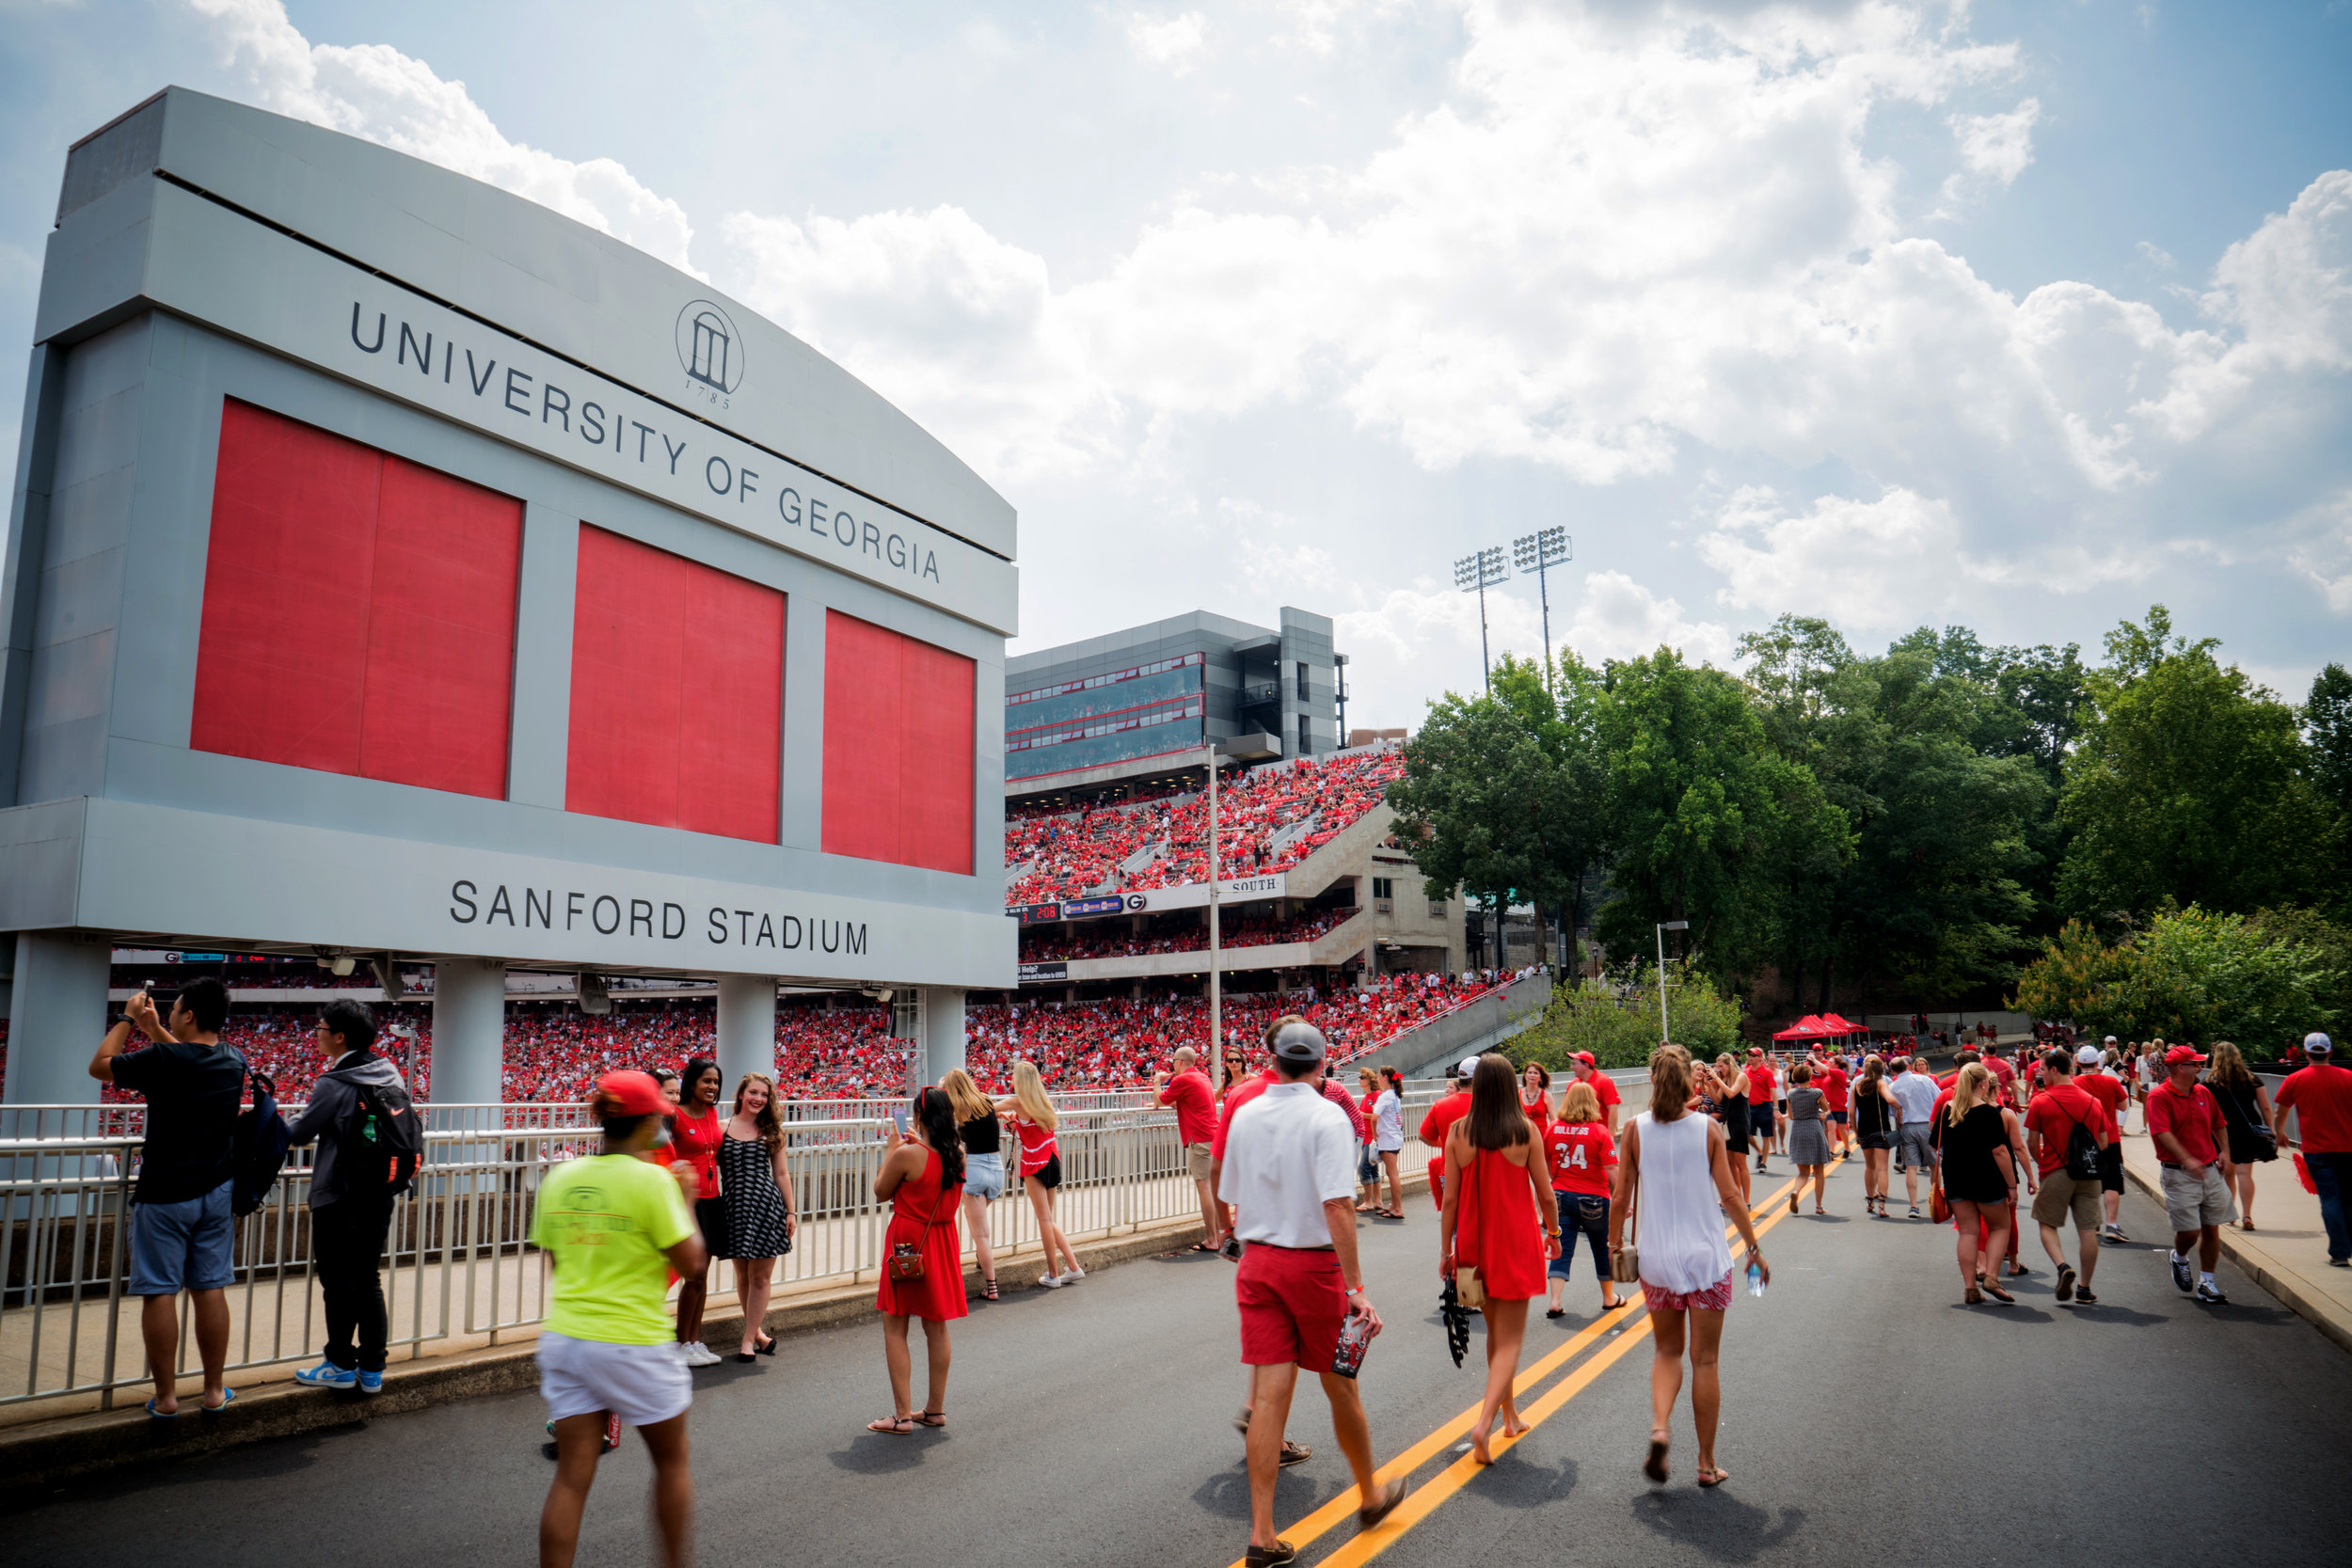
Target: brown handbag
(906, 1262)
(1625, 1263)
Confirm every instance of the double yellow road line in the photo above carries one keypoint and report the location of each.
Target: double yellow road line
(1633, 1319)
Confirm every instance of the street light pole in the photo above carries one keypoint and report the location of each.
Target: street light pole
(1476, 574)
(1216, 978)
(1534, 552)
(1664, 1035)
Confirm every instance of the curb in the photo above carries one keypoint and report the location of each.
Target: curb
(2285, 1289)
(37, 1458)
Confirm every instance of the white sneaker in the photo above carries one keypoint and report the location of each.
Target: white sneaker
(1070, 1275)
(699, 1354)
(1049, 1282)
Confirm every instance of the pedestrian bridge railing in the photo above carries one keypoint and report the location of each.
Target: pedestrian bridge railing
(457, 1271)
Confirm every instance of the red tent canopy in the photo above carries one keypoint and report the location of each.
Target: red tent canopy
(1838, 1025)
(1809, 1027)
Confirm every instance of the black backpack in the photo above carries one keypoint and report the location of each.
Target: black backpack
(260, 1147)
(2082, 1154)
(382, 1146)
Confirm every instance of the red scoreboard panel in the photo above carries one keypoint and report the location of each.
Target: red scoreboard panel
(899, 735)
(358, 610)
(677, 693)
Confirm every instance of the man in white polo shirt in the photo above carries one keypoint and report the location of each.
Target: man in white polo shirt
(1290, 1175)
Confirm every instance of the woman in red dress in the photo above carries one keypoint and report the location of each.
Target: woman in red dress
(922, 1175)
(695, 1134)
(1497, 1184)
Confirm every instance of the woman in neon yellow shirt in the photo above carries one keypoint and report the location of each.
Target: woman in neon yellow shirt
(612, 1227)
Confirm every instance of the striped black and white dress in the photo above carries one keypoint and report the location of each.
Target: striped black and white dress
(755, 1206)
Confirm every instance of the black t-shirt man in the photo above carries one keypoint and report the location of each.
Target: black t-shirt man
(193, 1092)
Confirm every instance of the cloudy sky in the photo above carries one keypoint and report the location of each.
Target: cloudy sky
(2023, 316)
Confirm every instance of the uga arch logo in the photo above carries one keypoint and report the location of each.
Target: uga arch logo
(709, 349)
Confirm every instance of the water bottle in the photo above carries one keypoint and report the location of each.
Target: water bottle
(1756, 1278)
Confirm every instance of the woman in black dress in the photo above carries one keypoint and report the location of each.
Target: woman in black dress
(2246, 1112)
(758, 1195)
(1979, 1177)
(1729, 1091)
(1874, 1122)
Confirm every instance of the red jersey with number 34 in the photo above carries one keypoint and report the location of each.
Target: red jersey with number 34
(1581, 1153)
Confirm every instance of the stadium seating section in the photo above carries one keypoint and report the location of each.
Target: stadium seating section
(1269, 819)
(555, 1053)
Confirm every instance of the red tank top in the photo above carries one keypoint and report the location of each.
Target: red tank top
(697, 1142)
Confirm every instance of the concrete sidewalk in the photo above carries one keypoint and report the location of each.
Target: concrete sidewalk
(2287, 1255)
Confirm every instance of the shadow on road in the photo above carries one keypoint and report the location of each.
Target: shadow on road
(1514, 1480)
(1716, 1523)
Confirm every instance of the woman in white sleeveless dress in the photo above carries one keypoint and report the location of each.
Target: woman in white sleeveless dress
(1674, 1177)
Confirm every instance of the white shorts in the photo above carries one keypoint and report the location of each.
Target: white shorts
(641, 1383)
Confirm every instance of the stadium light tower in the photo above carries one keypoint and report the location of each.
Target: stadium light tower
(1534, 552)
(1475, 574)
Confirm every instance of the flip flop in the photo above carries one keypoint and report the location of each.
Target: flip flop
(893, 1426)
(931, 1418)
(1203, 1246)
(161, 1415)
(1655, 1465)
(228, 1398)
(1714, 1477)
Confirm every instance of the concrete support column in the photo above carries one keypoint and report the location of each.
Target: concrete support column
(56, 1016)
(469, 1031)
(943, 1031)
(747, 1027)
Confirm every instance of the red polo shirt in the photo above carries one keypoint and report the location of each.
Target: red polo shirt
(1235, 1098)
(2321, 1096)
(1195, 1103)
(2194, 1118)
(2053, 1113)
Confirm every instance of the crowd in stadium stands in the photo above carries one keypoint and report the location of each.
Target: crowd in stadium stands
(555, 1053)
(1065, 854)
(1111, 939)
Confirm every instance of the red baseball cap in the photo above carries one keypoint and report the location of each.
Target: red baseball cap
(1584, 1057)
(636, 1093)
(2182, 1053)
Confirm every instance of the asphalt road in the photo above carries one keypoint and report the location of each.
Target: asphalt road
(1868, 1419)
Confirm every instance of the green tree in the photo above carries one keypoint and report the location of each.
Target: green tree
(2193, 974)
(2327, 731)
(1930, 899)
(1483, 806)
(2189, 786)
(1615, 1018)
(1700, 807)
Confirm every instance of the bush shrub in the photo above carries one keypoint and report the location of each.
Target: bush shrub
(1615, 1018)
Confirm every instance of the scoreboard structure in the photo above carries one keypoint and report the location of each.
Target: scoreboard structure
(399, 570)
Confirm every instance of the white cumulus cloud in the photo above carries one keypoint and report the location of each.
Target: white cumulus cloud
(1176, 42)
(375, 91)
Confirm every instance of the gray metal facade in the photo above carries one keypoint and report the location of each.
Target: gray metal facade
(1253, 677)
(207, 251)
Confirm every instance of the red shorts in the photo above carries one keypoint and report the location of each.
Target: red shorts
(1292, 1305)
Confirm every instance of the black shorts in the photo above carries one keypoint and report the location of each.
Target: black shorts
(710, 1218)
(2111, 1168)
(1048, 1176)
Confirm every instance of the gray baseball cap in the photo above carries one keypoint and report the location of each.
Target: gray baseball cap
(2316, 1043)
(1300, 1042)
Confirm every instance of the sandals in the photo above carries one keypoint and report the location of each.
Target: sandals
(1294, 1453)
(1373, 1512)
(1655, 1465)
(931, 1418)
(2000, 1297)
(1712, 1475)
(1792, 1203)
(766, 1347)
(1203, 1246)
(893, 1426)
(1973, 1297)
(988, 1289)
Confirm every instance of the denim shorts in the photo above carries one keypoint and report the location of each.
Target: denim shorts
(984, 1176)
(182, 1246)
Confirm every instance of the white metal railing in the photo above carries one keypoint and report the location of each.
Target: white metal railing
(458, 1271)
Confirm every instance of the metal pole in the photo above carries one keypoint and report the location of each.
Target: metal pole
(1484, 661)
(1543, 592)
(1216, 985)
(1663, 1034)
